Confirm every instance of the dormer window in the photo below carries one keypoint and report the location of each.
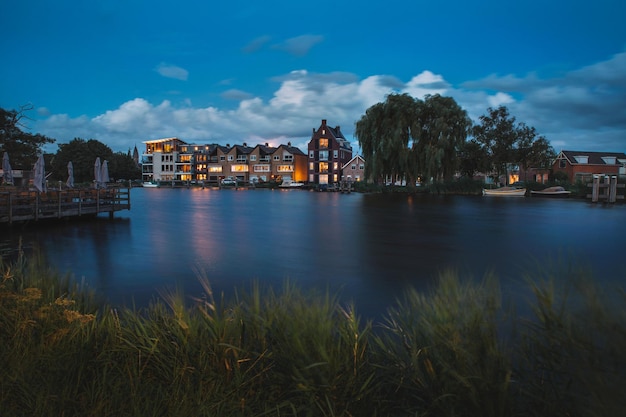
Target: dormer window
(609, 160)
(582, 159)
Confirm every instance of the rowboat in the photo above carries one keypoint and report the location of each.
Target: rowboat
(505, 192)
(557, 191)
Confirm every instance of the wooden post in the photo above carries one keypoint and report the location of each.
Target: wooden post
(595, 190)
(613, 189)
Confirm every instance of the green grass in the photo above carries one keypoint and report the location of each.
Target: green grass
(453, 351)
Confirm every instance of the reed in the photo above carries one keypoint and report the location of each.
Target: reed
(285, 351)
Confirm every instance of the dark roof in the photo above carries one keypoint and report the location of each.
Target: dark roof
(594, 158)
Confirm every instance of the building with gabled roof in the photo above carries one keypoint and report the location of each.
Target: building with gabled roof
(328, 150)
(581, 164)
(354, 169)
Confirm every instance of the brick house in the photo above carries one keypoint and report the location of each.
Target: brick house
(328, 152)
(289, 164)
(579, 165)
(354, 169)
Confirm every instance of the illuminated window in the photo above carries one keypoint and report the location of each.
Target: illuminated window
(335, 178)
(311, 166)
(215, 169)
(239, 168)
(285, 168)
(335, 166)
(323, 166)
(323, 143)
(323, 179)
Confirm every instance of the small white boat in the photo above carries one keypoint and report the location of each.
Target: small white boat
(505, 192)
(149, 184)
(291, 184)
(557, 191)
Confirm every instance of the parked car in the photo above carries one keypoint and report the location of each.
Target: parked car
(229, 181)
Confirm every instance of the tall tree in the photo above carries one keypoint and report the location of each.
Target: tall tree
(442, 128)
(83, 154)
(384, 134)
(507, 143)
(22, 147)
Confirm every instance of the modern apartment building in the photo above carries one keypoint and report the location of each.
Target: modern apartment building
(329, 151)
(173, 159)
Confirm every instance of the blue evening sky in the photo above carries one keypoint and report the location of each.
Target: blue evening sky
(126, 71)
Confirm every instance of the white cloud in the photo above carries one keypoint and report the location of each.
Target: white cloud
(584, 109)
(172, 71)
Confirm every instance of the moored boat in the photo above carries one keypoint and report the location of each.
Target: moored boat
(557, 191)
(149, 184)
(505, 192)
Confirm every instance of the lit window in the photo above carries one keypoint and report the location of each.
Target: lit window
(323, 143)
(311, 166)
(215, 169)
(323, 166)
(285, 168)
(335, 166)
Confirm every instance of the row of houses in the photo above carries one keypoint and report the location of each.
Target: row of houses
(328, 161)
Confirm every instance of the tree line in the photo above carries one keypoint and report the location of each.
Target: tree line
(24, 148)
(413, 139)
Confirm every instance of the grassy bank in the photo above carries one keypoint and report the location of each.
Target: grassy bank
(455, 351)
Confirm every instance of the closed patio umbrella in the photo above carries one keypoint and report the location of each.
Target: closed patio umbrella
(97, 172)
(6, 169)
(70, 175)
(104, 174)
(40, 174)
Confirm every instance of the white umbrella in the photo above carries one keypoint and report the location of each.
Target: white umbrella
(70, 175)
(104, 173)
(40, 174)
(6, 169)
(97, 172)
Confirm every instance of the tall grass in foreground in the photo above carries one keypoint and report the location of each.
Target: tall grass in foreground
(283, 352)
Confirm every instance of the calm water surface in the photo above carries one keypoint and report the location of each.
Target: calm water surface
(369, 247)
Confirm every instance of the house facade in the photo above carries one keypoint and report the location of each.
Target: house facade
(171, 159)
(580, 165)
(354, 169)
(328, 152)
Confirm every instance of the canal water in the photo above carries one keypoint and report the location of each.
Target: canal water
(366, 247)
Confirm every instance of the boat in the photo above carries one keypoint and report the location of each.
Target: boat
(291, 184)
(149, 184)
(505, 192)
(557, 191)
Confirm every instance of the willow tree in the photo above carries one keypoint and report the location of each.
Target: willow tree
(442, 128)
(384, 134)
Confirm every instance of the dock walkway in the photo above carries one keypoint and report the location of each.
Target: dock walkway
(18, 205)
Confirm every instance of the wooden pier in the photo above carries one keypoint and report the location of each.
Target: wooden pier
(604, 188)
(20, 206)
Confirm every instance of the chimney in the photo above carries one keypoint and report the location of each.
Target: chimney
(323, 122)
(245, 145)
(267, 144)
(288, 143)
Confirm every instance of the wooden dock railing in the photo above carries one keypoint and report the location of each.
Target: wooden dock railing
(18, 206)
